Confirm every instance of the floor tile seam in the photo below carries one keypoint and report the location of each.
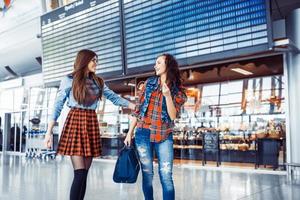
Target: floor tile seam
(261, 191)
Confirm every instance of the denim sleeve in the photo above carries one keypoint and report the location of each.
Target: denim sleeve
(62, 95)
(114, 98)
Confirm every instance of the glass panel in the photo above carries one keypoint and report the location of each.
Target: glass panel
(211, 94)
(6, 101)
(18, 98)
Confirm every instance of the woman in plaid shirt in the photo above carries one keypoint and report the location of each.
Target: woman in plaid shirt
(159, 104)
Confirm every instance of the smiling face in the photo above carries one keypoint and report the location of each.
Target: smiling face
(160, 66)
(92, 65)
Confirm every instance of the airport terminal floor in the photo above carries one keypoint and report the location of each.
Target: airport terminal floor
(215, 84)
(22, 179)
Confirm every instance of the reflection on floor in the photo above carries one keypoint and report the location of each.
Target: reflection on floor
(22, 179)
(233, 165)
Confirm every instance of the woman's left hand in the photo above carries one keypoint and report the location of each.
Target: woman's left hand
(165, 90)
(131, 106)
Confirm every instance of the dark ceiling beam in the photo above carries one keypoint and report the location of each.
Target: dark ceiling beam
(11, 71)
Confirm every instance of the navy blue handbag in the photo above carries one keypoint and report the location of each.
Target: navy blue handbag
(127, 167)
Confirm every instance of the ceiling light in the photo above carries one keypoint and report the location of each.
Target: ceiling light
(241, 71)
(131, 84)
(191, 75)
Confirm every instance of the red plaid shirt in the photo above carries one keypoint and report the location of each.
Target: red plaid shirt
(159, 130)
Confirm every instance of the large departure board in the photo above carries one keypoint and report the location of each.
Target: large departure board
(128, 35)
(92, 24)
(194, 31)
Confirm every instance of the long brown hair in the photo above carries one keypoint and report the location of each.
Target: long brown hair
(173, 73)
(80, 74)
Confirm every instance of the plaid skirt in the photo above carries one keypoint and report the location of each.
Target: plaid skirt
(80, 135)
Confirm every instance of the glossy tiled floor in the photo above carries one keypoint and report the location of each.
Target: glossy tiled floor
(22, 179)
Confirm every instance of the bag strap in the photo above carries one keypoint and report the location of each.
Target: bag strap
(126, 148)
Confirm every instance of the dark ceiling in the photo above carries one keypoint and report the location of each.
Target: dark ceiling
(259, 67)
(282, 8)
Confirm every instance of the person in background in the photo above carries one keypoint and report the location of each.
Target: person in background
(80, 138)
(159, 104)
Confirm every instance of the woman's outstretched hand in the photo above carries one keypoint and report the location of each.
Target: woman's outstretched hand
(131, 106)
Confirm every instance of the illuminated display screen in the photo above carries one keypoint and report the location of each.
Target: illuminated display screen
(83, 24)
(128, 36)
(194, 31)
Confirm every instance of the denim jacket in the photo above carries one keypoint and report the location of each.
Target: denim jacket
(151, 85)
(65, 92)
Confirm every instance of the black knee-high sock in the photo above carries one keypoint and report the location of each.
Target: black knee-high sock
(83, 188)
(78, 181)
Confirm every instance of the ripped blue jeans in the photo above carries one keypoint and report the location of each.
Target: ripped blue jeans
(164, 152)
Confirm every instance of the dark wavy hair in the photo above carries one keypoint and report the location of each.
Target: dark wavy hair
(81, 72)
(173, 73)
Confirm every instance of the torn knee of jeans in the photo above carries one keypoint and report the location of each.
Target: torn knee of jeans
(166, 168)
(148, 171)
(142, 151)
(145, 161)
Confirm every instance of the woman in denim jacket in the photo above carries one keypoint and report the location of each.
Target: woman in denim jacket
(80, 137)
(159, 104)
